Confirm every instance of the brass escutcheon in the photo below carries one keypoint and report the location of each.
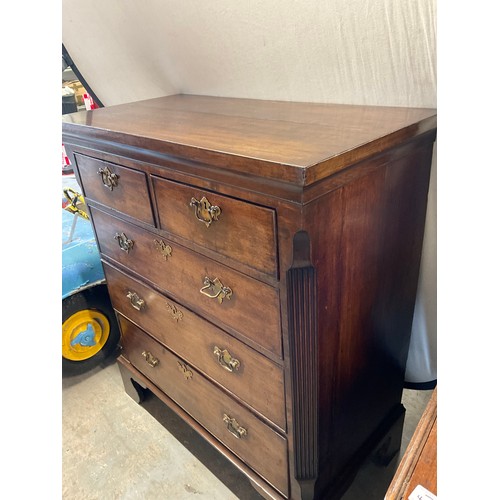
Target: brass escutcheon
(150, 359)
(109, 179)
(188, 374)
(226, 360)
(176, 313)
(204, 211)
(125, 244)
(136, 301)
(163, 248)
(214, 289)
(234, 427)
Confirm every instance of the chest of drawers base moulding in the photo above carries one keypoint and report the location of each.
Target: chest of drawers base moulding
(313, 216)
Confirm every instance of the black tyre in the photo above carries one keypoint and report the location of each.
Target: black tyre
(90, 332)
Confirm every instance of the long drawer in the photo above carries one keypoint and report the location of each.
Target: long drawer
(223, 358)
(219, 293)
(234, 228)
(249, 438)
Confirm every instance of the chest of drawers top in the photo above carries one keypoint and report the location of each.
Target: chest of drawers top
(297, 143)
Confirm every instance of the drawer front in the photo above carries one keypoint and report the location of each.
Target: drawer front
(246, 436)
(121, 188)
(223, 358)
(232, 228)
(221, 294)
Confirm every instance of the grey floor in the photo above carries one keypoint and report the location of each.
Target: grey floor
(116, 449)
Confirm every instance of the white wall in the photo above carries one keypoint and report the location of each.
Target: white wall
(380, 52)
(351, 51)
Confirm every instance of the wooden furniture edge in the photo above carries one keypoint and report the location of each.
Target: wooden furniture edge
(399, 484)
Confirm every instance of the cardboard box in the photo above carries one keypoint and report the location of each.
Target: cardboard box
(79, 90)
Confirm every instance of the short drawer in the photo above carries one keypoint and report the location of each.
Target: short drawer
(120, 188)
(233, 228)
(229, 362)
(244, 434)
(219, 293)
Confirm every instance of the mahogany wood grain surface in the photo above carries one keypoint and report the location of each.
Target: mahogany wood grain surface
(296, 142)
(319, 238)
(367, 275)
(252, 309)
(208, 406)
(135, 383)
(194, 339)
(419, 463)
(130, 195)
(242, 231)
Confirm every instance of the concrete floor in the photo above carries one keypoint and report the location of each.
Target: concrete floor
(115, 449)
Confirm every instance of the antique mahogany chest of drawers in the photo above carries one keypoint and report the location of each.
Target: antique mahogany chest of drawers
(262, 258)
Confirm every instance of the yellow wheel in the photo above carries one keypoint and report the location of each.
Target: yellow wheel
(90, 332)
(84, 334)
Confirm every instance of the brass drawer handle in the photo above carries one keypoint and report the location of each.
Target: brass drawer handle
(136, 301)
(163, 248)
(234, 427)
(226, 360)
(204, 211)
(214, 289)
(188, 374)
(125, 243)
(150, 359)
(109, 179)
(176, 313)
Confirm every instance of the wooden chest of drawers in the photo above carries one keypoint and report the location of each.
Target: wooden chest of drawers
(263, 259)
